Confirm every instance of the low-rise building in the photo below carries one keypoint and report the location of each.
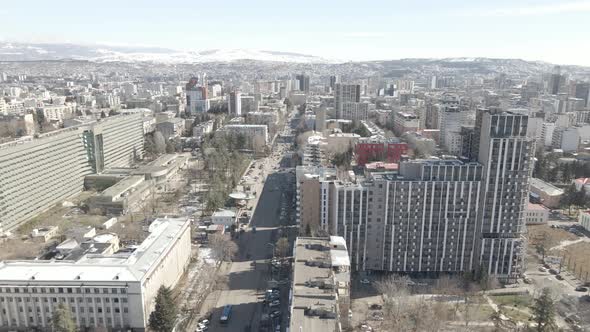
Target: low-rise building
(584, 220)
(549, 194)
(126, 195)
(582, 183)
(171, 128)
(379, 148)
(203, 128)
(163, 168)
(114, 292)
(536, 214)
(339, 142)
(256, 135)
(404, 122)
(44, 234)
(262, 118)
(566, 139)
(321, 285)
(223, 217)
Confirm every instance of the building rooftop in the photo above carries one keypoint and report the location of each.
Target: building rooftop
(224, 213)
(381, 165)
(407, 115)
(134, 266)
(546, 187)
(119, 189)
(321, 276)
(536, 207)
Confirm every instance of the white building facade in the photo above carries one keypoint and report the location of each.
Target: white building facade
(116, 292)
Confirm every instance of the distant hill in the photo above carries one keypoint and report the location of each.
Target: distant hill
(15, 51)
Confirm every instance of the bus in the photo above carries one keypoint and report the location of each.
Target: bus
(225, 314)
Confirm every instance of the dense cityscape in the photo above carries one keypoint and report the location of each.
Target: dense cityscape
(155, 189)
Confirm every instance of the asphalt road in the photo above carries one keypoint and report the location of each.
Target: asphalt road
(247, 281)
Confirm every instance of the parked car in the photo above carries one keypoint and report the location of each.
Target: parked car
(365, 281)
(276, 313)
(542, 269)
(581, 289)
(559, 277)
(375, 306)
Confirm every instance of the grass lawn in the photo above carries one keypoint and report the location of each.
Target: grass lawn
(515, 315)
(518, 301)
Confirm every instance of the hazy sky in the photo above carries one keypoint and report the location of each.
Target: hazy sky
(553, 31)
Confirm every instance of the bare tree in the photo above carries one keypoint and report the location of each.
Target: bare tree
(222, 247)
(159, 142)
(395, 293)
(449, 286)
(282, 247)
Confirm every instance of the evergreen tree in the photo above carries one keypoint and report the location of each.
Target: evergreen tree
(569, 197)
(62, 321)
(552, 174)
(544, 312)
(163, 317)
(580, 198)
(170, 148)
(540, 170)
(566, 173)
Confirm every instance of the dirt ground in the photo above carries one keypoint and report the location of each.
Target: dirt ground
(551, 236)
(20, 246)
(577, 259)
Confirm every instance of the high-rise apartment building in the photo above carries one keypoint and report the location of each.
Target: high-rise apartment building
(320, 119)
(557, 81)
(235, 103)
(345, 93)
(582, 91)
(451, 118)
(39, 172)
(354, 111)
(421, 220)
(303, 81)
(333, 80)
(505, 153)
(432, 216)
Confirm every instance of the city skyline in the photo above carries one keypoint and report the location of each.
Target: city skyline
(549, 31)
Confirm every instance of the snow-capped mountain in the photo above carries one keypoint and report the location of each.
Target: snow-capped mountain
(14, 51)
